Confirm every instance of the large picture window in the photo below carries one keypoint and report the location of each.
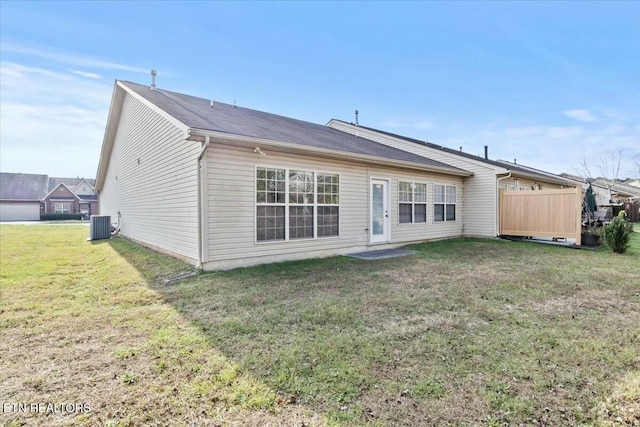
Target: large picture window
(412, 202)
(444, 203)
(62, 208)
(296, 204)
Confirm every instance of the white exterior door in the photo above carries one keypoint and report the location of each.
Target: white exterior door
(380, 224)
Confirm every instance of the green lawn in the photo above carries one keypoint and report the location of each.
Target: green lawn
(466, 332)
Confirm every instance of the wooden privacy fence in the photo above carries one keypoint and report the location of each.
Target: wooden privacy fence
(542, 213)
(633, 210)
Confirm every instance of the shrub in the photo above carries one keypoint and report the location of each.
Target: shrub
(59, 216)
(617, 234)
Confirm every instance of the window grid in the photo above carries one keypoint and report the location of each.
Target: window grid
(412, 199)
(444, 203)
(62, 208)
(296, 204)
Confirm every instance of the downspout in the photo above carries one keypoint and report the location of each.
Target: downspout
(201, 243)
(498, 202)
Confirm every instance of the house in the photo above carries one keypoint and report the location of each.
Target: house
(222, 186)
(71, 195)
(611, 196)
(24, 197)
(480, 211)
(20, 196)
(618, 192)
(633, 182)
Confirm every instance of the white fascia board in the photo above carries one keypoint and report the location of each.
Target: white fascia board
(543, 178)
(326, 152)
(56, 187)
(362, 133)
(113, 118)
(117, 99)
(177, 123)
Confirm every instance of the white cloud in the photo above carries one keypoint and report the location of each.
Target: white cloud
(51, 122)
(86, 74)
(580, 115)
(69, 58)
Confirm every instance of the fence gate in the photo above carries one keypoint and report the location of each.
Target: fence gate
(542, 213)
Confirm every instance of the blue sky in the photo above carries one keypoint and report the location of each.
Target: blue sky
(545, 83)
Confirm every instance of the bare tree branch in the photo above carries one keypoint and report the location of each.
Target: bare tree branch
(636, 166)
(609, 166)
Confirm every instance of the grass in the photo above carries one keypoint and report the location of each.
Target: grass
(466, 332)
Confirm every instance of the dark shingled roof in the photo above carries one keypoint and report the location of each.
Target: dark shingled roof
(69, 182)
(204, 114)
(22, 186)
(499, 163)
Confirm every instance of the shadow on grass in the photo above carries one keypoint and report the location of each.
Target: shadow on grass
(304, 328)
(401, 341)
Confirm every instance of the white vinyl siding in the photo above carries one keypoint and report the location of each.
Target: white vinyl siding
(152, 181)
(480, 205)
(518, 183)
(232, 207)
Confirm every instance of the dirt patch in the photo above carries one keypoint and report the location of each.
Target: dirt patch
(602, 301)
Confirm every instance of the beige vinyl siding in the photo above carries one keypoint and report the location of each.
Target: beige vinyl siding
(156, 196)
(480, 189)
(430, 230)
(231, 208)
(524, 183)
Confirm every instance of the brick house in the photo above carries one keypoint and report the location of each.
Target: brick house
(69, 195)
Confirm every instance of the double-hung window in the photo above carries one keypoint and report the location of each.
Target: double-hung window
(412, 202)
(444, 203)
(301, 204)
(294, 204)
(62, 208)
(271, 203)
(328, 204)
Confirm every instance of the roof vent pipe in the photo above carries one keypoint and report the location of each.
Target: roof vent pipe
(357, 124)
(153, 79)
(486, 152)
(515, 161)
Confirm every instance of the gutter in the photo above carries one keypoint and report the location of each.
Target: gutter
(498, 202)
(201, 204)
(195, 133)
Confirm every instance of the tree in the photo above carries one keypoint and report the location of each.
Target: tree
(636, 165)
(609, 166)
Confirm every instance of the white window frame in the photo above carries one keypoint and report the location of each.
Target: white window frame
(60, 208)
(287, 204)
(445, 202)
(413, 202)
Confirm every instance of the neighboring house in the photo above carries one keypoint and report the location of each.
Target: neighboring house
(633, 182)
(20, 196)
(618, 192)
(222, 186)
(480, 209)
(71, 195)
(606, 192)
(24, 197)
